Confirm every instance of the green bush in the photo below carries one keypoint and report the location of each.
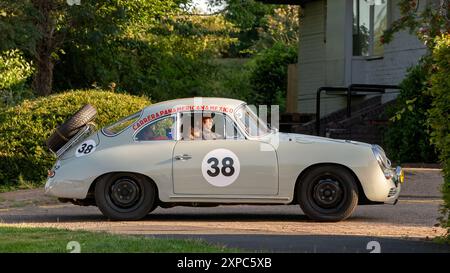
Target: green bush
(25, 127)
(438, 115)
(14, 73)
(269, 74)
(406, 137)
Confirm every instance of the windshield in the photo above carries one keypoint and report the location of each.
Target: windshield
(119, 126)
(253, 125)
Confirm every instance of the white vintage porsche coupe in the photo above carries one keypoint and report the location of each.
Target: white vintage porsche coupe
(208, 152)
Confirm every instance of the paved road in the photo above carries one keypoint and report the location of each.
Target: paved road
(406, 227)
(316, 243)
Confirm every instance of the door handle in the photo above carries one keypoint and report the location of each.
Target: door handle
(183, 157)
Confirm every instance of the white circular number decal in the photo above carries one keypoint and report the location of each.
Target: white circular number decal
(85, 148)
(220, 167)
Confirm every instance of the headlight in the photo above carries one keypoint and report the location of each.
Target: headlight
(385, 164)
(380, 155)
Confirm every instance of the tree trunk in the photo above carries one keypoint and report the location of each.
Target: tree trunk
(45, 46)
(43, 78)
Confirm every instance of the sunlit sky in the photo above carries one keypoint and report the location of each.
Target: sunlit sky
(202, 6)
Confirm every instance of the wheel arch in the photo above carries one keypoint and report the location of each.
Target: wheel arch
(362, 198)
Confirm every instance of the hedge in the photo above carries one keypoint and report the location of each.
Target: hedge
(438, 115)
(406, 136)
(25, 127)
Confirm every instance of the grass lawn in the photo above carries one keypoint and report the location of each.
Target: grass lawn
(26, 240)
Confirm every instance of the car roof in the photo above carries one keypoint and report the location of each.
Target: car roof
(195, 101)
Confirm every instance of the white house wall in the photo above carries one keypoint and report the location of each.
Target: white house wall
(403, 52)
(332, 63)
(311, 55)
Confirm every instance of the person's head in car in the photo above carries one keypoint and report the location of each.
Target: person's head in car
(207, 124)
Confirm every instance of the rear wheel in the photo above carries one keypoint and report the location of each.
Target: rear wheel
(125, 196)
(328, 193)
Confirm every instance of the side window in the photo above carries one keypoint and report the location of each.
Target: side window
(163, 129)
(120, 125)
(208, 126)
(231, 130)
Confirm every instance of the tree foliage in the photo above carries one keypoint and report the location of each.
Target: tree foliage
(432, 27)
(439, 114)
(269, 74)
(14, 74)
(249, 16)
(407, 137)
(431, 22)
(53, 24)
(172, 58)
(148, 47)
(282, 26)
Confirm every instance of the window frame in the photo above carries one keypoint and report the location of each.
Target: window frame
(154, 121)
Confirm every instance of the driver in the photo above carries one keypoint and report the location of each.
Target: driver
(207, 133)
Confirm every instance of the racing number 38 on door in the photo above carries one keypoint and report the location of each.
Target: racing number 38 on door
(220, 167)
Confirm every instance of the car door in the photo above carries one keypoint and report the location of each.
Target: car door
(227, 165)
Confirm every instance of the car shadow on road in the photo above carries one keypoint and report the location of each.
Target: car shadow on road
(92, 214)
(166, 217)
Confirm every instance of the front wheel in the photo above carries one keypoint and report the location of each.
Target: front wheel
(125, 196)
(328, 193)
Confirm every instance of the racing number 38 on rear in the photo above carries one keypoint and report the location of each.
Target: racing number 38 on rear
(212, 151)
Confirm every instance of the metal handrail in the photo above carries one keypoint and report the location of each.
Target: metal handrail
(319, 91)
(351, 90)
(368, 88)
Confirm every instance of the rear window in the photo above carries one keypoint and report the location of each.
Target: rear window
(163, 129)
(116, 128)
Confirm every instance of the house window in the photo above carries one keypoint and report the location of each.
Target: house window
(369, 22)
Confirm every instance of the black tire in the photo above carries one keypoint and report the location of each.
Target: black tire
(124, 197)
(70, 127)
(328, 193)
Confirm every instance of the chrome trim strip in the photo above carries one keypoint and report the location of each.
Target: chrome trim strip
(229, 197)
